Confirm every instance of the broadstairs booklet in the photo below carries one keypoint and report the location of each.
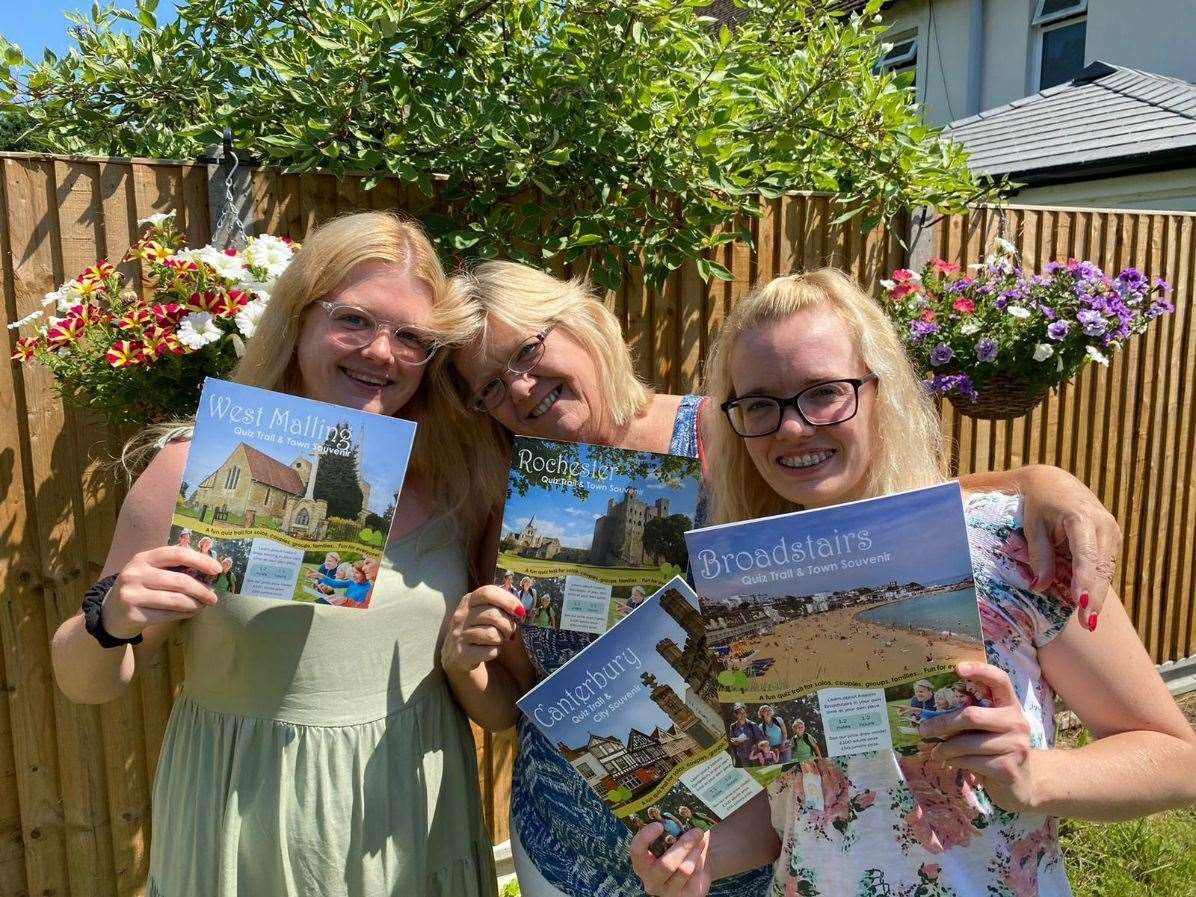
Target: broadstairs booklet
(294, 497)
(636, 714)
(838, 629)
(588, 532)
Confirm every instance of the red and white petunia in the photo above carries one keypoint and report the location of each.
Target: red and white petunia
(125, 353)
(64, 331)
(135, 318)
(27, 347)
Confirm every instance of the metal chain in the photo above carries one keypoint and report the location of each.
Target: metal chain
(236, 236)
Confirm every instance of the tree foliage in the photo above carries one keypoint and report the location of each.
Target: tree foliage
(336, 476)
(664, 537)
(613, 135)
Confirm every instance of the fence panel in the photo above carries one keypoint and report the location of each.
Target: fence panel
(70, 825)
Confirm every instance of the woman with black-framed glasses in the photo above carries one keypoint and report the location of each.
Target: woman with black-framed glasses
(549, 359)
(974, 810)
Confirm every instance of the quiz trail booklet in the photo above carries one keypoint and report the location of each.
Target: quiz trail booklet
(589, 532)
(838, 629)
(294, 497)
(636, 714)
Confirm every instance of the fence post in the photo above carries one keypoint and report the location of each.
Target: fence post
(923, 225)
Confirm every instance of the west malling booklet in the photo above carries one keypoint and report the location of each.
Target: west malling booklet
(838, 629)
(636, 714)
(294, 497)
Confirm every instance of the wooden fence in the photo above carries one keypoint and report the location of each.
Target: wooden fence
(75, 780)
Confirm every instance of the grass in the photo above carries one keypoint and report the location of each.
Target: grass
(1151, 857)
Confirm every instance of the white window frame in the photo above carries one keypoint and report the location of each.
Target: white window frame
(1077, 8)
(1055, 23)
(884, 64)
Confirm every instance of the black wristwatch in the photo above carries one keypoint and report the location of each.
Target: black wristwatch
(93, 619)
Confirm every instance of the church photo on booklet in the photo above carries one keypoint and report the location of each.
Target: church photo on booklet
(294, 497)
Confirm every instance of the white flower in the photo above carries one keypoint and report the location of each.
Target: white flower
(969, 328)
(915, 276)
(156, 219)
(247, 318)
(28, 319)
(198, 329)
(1043, 351)
(268, 252)
(1019, 311)
(1006, 247)
(231, 267)
(887, 284)
(1096, 355)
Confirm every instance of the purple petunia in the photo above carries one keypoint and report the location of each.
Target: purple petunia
(1159, 307)
(941, 355)
(942, 384)
(919, 330)
(986, 350)
(1092, 322)
(1057, 330)
(1000, 302)
(1047, 312)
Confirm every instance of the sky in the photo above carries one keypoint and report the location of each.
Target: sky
(383, 463)
(33, 26)
(564, 516)
(923, 530)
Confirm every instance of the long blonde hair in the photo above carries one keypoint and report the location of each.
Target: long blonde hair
(907, 439)
(440, 458)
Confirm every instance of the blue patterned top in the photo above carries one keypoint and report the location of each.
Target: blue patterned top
(574, 841)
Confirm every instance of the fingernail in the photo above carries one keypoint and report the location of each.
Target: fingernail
(1092, 623)
(520, 611)
(1083, 600)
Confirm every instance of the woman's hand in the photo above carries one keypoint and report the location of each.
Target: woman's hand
(990, 743)
(150, 589)
(681, 871)
(482, 622)
(1061, 514)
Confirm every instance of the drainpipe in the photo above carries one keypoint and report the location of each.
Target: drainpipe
(975, 55)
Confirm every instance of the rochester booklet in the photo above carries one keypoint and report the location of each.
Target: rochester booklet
(636, 714)
(294, 497)
(588, 533)
(838, 629)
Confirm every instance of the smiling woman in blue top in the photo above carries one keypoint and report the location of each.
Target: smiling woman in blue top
(549, 360)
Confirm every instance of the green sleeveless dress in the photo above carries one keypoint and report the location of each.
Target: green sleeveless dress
(317, 750)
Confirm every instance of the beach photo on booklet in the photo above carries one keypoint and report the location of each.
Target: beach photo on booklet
(589, 531)
(837, 630)
(636, 715)
(292, 496)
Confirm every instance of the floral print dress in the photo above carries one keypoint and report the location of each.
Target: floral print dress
(883, 825)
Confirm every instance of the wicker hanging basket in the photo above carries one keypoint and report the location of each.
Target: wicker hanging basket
(1002, 397)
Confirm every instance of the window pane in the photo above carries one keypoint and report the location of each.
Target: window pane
(1051, 7)
(1062, 54)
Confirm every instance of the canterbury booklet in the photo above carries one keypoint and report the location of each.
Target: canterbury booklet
(838, 629)
(588, 533)
(294, 497)
(636, 714)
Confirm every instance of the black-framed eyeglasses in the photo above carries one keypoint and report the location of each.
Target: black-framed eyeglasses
(356, 328)
(820, 405)
(523, 360)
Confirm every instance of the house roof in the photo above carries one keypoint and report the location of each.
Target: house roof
(1109, 117)
(274, 473)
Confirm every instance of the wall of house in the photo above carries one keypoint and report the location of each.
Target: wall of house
(1161, 30)
(1170, 191)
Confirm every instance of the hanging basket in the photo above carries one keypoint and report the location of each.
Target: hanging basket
(1003, 396)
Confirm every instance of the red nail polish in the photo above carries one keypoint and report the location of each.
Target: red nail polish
(1083, 600)
(520, 611)
(1092, 623)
